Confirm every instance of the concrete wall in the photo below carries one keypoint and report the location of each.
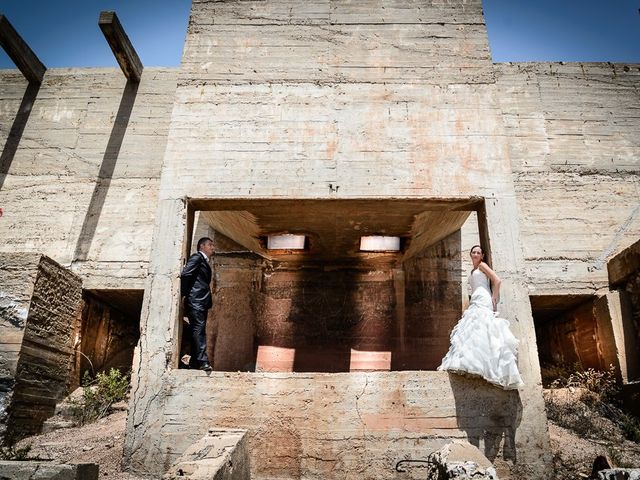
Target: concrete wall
(582, 336)
(338, 425)
(333, 317)
(327, 100)
(79, 182)
(323, 100)
(575, 155)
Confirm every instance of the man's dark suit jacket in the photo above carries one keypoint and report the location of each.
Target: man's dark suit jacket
(194, 283)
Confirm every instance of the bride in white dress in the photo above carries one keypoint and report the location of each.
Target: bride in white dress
(481, 343)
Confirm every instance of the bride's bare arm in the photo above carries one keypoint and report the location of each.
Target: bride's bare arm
(495, 282)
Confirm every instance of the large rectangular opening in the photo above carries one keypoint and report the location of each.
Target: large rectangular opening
(330, 306)
(109, 331)
(574, 332)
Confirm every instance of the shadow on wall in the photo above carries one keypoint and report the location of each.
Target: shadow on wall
(17, 129)
(106, 170)
(334, 317)
(488, 415)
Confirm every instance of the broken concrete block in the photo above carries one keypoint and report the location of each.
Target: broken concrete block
(30, 470)
(461, 460)
(219, 455)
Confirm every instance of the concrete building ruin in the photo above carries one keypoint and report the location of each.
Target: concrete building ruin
(333, 120)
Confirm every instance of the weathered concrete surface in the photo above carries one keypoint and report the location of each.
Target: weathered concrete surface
(85, 125)
(585, 335)
(219, 455)
(624, 274)
(326, 100)
(46, 356)
(315, 126)
(624, 265)
(337, 42)
(17, 277)
(34, 470)
(332, 316)
(342, 425)
(462, 460)
(575, 156)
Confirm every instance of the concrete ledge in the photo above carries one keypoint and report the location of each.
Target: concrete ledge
(47, 471)
(624, 265)
(220, 455)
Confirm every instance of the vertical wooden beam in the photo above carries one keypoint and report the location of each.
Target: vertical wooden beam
(120, 45)
(20, 53)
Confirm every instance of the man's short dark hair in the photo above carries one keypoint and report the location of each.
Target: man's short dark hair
(202, 241)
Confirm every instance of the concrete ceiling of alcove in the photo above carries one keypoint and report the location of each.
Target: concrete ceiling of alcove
(334, 227)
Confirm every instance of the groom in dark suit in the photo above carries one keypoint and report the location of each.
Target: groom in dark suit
(195, 281)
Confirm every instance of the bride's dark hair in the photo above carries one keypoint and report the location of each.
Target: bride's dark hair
(482, 250)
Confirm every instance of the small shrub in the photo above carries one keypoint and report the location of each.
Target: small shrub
(601, 383)
(100, 394)
(557, 374)
(599, 396)
(630, 427)
(616, 458)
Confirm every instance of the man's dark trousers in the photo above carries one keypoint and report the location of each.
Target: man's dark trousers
(195, 281)
(198, 337)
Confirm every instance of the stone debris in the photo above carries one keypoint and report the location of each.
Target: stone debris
(36, 470)
(219, 455)
(619, 474)
(461, 460)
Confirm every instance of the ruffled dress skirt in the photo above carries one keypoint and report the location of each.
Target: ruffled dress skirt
(482, 345)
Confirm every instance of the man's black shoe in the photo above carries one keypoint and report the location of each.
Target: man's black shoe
(206, 367)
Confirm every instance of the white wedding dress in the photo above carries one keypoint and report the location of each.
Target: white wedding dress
(481, 343)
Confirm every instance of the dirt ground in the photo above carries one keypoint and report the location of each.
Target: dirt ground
(573, 454)
(102, 443)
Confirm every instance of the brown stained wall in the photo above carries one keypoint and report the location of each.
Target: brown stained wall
(624, 276)
(632, 289)
(231, 324)
(331, 317)
(434, 281)
(581, 336)
(46, 356)
(108, 337)
(323, 312)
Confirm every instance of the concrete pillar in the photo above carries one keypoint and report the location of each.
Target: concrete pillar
(624, 354)
(531, 436)
(159, 324)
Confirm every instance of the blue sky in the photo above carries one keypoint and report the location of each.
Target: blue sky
(65, 33)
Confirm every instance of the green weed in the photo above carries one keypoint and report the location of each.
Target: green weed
(100, 394)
